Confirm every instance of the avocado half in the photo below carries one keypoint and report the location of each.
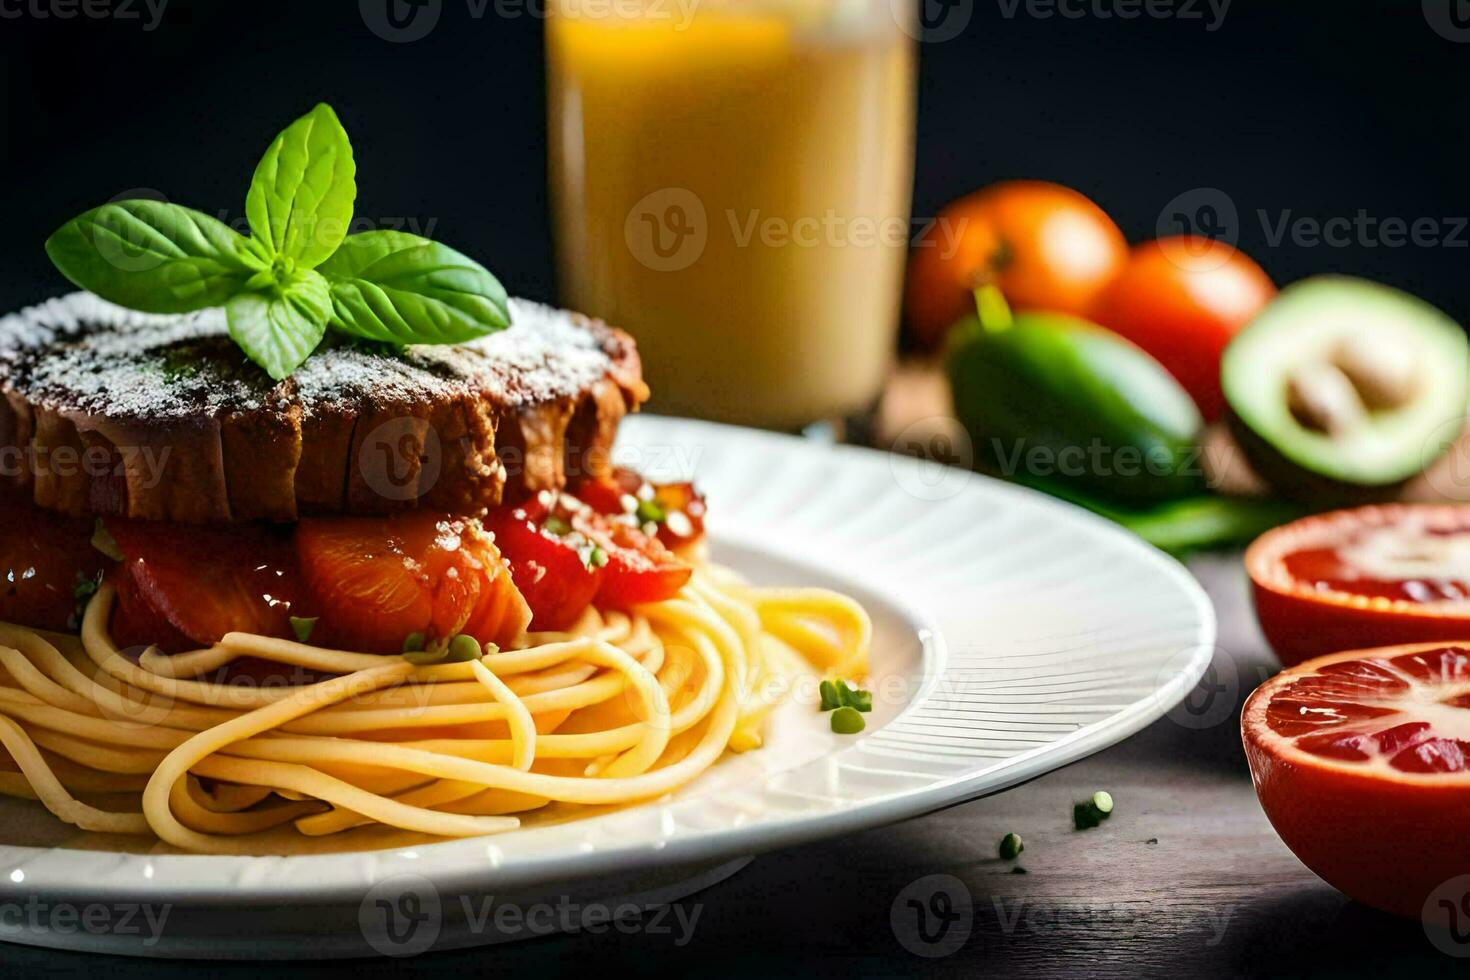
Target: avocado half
(1343, 389)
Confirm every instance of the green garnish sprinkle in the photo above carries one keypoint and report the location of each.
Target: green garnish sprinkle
(847, 721)
(598, 557)
(1102, 802)
(1084, 817)
(839, 694)
(302, 627)
(1011, 846)
(463, 649)
(557, 526)
(651, 512)
(413, 642)
(427, 657)
(830, 699)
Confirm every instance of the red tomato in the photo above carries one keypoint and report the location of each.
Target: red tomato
(676, 509)
(1310, 600)
(209, 581)
(1046, 247)
(549, 569)
(1360, 762)
(639, 568)
(43, 558)
(135, 620)
(378, 580)
(1182, 299)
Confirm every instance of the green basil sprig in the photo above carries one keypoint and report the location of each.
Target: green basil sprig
(298, 273)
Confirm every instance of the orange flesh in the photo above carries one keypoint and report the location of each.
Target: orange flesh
(1410, 711)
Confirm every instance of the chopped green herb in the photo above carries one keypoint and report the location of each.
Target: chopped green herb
(598, 558)
(302, 627)
(1011, 846)
(463, 649)
(82, 592)
(425, 658)
(557, 526)
(650, 512)
(1102, 802)
(830, 698)
(1084, 817)
(847, 721)
(104, 542)
(854, 697)
(413, 642)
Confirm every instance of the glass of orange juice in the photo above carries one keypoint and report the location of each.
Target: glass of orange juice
(731, 183)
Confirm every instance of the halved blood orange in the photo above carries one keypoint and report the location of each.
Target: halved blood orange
(1361, 761)
(1393, 573)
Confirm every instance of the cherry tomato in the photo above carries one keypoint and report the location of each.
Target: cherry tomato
(639, 568)
(1045, 246)
(1361, 763)
(44, 557)
(209, 581)
(676, 510)
(1182, 299)
(553, 570)
(379, 580)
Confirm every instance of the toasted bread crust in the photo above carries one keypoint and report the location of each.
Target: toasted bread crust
(109, 412)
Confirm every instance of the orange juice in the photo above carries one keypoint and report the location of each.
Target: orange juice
(731, 184)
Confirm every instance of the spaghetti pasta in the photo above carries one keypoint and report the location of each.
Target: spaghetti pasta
(623, 707)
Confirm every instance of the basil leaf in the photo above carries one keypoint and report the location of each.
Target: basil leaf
(415, 292)
(278, 329)
(363, 249)
(300, 200)
(153, 256)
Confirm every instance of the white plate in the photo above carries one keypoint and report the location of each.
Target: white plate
(1014, 634)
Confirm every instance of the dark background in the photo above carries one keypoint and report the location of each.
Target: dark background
(1320, 110)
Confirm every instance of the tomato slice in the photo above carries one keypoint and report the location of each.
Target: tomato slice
(675, 510)
(209, 581)
(44, 557)
(1372, 575)
(552, 571)
(639, 568)
(136, 622)
(1361, 761)
(378, 580)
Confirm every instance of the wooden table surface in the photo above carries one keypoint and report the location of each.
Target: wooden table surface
(1186, 879)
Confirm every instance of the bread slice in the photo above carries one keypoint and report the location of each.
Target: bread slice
(111, 412)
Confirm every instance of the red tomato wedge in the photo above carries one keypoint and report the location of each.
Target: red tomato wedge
(135, 620)
(675, 509)
(378, 580)
(1361, 761)
(550, 571)
(639, 569)
(1323, 583)
(43, 558)
(209, 581)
